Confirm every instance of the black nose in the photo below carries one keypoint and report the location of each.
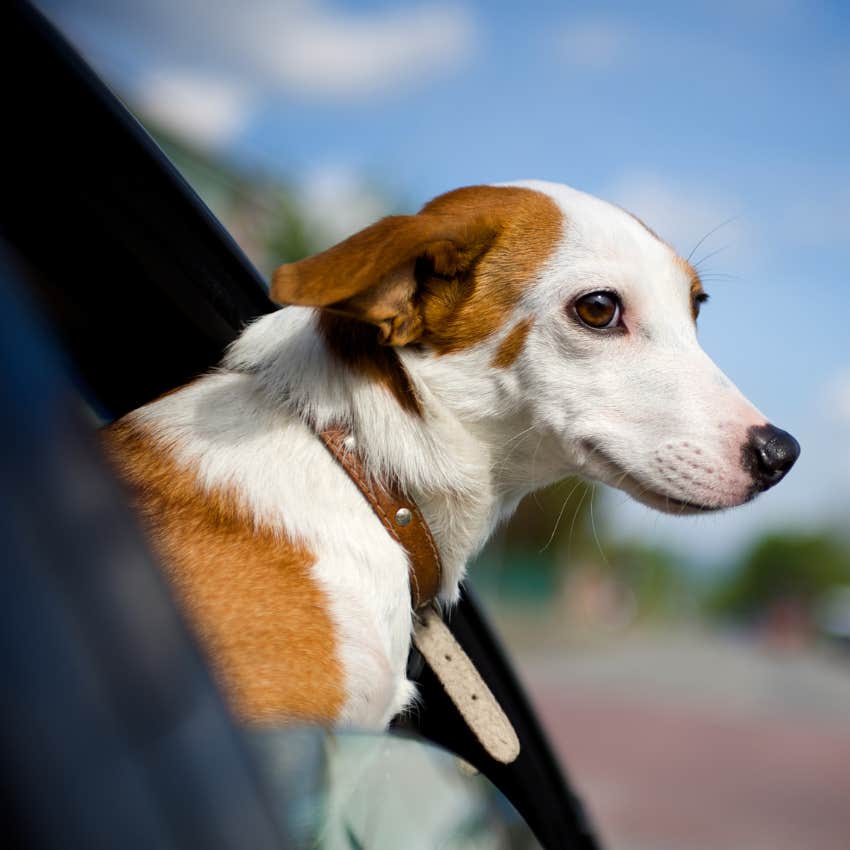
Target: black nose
(769, 454)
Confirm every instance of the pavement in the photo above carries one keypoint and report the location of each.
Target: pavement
(697, 741)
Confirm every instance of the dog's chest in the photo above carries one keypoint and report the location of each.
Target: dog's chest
(289, 483)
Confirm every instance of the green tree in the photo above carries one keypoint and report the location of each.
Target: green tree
(782, 567)
(289, 238)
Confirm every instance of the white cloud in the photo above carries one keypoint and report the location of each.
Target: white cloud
(595, 44)
(682, 214)
(323, 53)
(205, 110)
(336, 202)
(232, 55)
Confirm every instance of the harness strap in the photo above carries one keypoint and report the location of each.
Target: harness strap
(465, 687)
(457, 674)
(401, 517)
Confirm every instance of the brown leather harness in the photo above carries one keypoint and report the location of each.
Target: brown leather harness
(400, 515)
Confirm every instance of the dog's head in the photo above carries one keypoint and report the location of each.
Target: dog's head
(539, 304)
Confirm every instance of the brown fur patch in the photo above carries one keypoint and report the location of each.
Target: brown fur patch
(248, 593)
(511, 345)
(448, 276)
(356, 344)
(464, 310)
(696, 284)
(370, 275)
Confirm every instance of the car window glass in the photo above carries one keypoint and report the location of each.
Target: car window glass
(347, 791)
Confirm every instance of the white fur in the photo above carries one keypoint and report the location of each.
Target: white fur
(648, 412)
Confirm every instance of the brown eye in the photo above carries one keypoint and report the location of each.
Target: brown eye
(599, 310)
(698, 300)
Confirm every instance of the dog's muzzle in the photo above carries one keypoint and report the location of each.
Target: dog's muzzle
(768, 455)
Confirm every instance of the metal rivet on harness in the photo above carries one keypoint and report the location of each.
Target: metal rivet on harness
(403, 516)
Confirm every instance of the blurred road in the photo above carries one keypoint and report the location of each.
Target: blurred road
(701, 742)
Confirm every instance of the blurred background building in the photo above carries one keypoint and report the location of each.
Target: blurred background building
(693, 672)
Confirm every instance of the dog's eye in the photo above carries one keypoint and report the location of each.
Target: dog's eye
(599, 310)
(697, 301)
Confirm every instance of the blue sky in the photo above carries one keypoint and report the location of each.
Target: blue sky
(687, 114)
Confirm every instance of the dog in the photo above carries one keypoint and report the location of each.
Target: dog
(499, 340)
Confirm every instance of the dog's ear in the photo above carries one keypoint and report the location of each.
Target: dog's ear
(374, 276)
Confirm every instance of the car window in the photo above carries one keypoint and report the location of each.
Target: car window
(356, 791)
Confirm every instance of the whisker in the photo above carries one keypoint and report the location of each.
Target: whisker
(711, 233)
(709, 256)
(534, 456)
(519, 434)
(593, 528)
(504, 461)
(560, 517)
(573, 523)
(718, 276)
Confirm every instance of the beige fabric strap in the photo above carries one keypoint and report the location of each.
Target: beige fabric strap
(465, 687)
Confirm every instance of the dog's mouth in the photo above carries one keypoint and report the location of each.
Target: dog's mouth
(610, 472)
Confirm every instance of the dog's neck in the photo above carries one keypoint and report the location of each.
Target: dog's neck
(467, 465)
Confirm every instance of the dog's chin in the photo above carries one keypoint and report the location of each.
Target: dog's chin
(670, 505)
(608, 471)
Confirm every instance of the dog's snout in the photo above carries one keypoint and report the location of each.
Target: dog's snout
(768, 454)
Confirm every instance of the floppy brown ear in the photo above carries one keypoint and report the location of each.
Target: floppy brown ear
(371, 276)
